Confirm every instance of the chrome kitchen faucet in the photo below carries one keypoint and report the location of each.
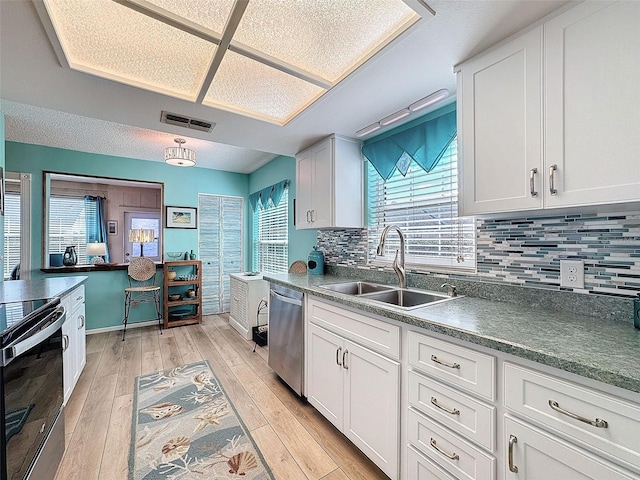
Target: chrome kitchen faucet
(399, 268)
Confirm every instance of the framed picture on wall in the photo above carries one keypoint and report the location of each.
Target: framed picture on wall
(181, 217)
(112, 227)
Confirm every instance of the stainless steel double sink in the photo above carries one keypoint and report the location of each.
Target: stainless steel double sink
(404, 298)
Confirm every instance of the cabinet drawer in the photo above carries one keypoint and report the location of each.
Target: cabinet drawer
(465, 368)
(77, 297)
(420, 467)
(529, 393)
(463, 414)
(456, 455)
(539, 455)
(369, 332)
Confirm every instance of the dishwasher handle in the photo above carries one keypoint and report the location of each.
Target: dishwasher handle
(284, 298)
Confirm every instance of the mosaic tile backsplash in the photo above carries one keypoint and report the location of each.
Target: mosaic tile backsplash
(527, 251)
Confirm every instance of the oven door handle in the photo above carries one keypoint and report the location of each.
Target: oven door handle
(12, 351)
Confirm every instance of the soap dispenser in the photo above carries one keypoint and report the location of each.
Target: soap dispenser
(315, 264)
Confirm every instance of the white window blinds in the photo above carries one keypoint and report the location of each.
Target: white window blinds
(270, 237)
(425, 207)
(67, 226)
(11, 232)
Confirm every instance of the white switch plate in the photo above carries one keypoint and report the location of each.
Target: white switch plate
(572, 273)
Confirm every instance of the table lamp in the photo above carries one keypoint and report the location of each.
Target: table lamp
(142, 236)
(97, 250)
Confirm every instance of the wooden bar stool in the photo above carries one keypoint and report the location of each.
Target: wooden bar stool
(142, 288)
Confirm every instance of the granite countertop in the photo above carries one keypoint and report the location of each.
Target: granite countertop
(37, 288)
(601, 349)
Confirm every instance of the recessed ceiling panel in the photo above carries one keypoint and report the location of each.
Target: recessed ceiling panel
(211, 14)
(245, 86)
(328, 38)
(106, 39)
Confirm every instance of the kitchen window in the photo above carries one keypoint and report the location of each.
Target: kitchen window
(270, 236)
(67, 226)
(425, 207)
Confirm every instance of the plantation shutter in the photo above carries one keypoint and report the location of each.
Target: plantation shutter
(425, 207)
(11, 232)
(270, 237)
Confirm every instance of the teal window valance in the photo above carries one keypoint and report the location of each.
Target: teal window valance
(424, 143)
(268, 196)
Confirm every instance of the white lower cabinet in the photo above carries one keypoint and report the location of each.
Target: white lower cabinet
(537, 455)
(420, 467)
(458, 456)
(74, 337)
(358, 390)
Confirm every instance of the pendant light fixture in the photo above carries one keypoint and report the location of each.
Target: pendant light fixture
(180, 156)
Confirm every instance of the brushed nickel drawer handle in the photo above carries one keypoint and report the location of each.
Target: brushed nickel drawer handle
(344, 360)
(512, 439)
(552, 171)
(452, 411)
(532, 182)
(446, 364)
(338, 356)
(452, 456)
(596, 423)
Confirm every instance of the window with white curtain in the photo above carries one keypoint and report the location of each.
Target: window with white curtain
(425, 207)
(67, 226)
(270, 237)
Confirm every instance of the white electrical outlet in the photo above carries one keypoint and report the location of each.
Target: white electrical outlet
(572, 273)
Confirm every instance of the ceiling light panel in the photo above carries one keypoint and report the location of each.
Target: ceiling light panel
(211, 14)
(106, 39)
(327, 38)
(248, 87)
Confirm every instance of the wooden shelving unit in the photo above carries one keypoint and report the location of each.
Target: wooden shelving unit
(183, 268)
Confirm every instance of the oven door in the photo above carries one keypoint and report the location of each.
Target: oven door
(31, 393)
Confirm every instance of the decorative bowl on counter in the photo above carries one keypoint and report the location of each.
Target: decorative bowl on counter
(174, 297)
(171, 275)
(174, 255)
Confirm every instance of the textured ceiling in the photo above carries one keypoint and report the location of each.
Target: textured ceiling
(28, 124)
(125, 120)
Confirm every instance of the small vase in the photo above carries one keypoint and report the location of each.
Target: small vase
(70, 258)
(192, 256)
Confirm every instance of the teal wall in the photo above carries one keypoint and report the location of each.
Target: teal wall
(284, 168)
(104, 290)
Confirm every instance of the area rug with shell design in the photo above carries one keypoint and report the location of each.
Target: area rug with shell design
(185, 427)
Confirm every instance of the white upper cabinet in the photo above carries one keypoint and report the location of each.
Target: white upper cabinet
(329, 185)
(499, 127)
(592, 125)
(549, 119)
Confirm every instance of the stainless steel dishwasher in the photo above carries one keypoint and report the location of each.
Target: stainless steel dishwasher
(286, 340)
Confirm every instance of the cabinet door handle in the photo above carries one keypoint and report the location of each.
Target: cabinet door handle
(344, 360)
(512, 439)
(312, 212)
(452, 411)
(452, 456)
(81, 317)
(308, 213)
(446, 364)
(598, 422)
(552, 174)
(532, 181)
(338, 356)
(65, 343)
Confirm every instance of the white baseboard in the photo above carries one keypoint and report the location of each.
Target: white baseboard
(121, 327)
(241, 329)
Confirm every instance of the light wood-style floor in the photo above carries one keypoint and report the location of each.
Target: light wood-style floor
(296, 441)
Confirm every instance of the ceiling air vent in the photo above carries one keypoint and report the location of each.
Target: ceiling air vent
(187, 122)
